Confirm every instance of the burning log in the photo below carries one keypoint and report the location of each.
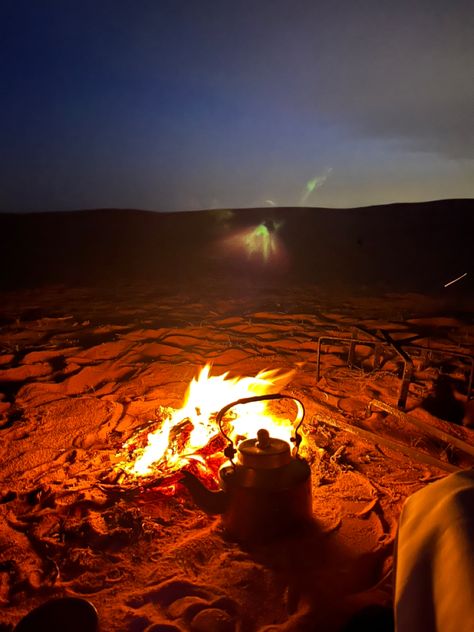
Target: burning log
(191, 434)
(179, 436)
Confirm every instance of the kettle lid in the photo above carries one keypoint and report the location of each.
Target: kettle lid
(264, 452)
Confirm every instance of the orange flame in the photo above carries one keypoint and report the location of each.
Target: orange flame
(191, 428)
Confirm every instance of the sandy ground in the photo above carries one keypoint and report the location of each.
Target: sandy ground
(82, 370)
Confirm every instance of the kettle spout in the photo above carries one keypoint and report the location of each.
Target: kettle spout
(211, 502)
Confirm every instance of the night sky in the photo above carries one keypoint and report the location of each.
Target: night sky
(174, 105)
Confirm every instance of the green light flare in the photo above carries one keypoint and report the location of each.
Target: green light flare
(311, 184)
(315, 183)
(259, 241)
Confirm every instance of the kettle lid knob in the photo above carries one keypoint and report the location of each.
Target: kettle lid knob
(263, 439)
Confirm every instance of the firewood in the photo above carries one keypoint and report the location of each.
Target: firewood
(336, 422)
(436, 432)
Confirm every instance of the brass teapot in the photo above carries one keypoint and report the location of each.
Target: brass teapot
(266, 490)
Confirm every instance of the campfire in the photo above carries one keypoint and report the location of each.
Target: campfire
(189, 437)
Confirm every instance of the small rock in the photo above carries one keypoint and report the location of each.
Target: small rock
(187, 607)
(227, 604)
(137, 623)
(34, 579)
(212, 620)
(135, 601)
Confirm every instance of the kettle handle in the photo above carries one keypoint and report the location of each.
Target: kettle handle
(230, 449)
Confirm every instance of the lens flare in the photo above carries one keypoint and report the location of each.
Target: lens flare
(316, 183)
(259, 244)
(260, 241)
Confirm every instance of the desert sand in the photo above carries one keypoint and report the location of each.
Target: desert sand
(105, 319)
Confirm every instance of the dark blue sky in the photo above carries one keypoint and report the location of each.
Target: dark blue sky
(175, 105)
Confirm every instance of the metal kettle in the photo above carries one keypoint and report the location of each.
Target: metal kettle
(265, 488)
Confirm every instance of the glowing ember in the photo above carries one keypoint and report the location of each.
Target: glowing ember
(186, 432)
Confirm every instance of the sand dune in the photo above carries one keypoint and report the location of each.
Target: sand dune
(406, 247)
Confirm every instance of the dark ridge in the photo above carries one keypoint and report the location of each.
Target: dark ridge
(395, 247)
